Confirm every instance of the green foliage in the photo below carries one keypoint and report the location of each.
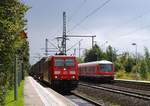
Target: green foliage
(80, 60)
(121, 74)
(127, 66)
(94, 54)
(118, 66)
(111, 54)
(143, 70)
(12, 21)
(147, 58)
(129, 63)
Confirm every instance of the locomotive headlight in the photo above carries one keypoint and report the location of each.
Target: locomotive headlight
(73, 77)
(56, 77)
(72, 72)
(56, 72)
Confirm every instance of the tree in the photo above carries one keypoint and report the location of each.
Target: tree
(94, 54)
(143, 70)
(12, 21)
(80, 60)
(111, 54)
(129, 63)
(147, 58)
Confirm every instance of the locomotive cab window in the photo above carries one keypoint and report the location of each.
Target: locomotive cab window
(59, 62)
(105, 67)
(69, 62)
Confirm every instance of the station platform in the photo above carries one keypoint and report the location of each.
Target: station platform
(37, 95)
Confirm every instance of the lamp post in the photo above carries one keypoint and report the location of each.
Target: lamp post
(134, 44)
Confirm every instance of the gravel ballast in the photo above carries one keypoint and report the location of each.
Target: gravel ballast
(110, 98)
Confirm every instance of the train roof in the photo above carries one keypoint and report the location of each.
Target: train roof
(63, 56)
(97, 62)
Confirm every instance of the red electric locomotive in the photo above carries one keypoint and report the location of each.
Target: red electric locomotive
(99, 70)
(61, 72)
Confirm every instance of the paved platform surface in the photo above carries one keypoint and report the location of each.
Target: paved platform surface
(30, 95)
(37, 95)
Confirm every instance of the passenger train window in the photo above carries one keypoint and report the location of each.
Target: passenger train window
(69, 62)
(105, 67)
(59, 62)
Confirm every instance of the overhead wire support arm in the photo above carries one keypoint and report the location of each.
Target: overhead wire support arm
(46, 47)
(80, 36)
(83, 36)
(53, 45)
(74, 45)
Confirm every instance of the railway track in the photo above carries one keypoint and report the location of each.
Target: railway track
(140, 85)
(91, 101)
(78, 99)
(98, 94)
(119, 91)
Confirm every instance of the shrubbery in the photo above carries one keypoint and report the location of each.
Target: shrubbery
(127, 66)
(12, 22)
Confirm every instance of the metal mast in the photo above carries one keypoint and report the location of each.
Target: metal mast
(64, 34)
(79, 48)
(46, 47)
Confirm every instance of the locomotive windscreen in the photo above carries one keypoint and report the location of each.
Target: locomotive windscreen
(106, 67)
(66, 62)
(69, 62)
(59, 62)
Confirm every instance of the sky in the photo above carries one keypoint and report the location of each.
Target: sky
(119, 23)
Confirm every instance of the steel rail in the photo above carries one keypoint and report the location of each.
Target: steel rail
(87, 99)
(128, 93)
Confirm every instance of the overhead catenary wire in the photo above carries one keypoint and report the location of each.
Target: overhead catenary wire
(77, 10)
(73, 14)
(53, 45)
(74, 45)
(136, 30)
(126, 23)
(90, 14)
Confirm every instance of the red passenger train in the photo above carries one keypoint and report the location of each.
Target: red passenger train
(100, 70)
(61, 72)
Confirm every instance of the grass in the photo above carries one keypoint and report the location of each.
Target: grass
(131, 76)
(10, 97)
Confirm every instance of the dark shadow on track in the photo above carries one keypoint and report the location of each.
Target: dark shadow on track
(96, 80)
